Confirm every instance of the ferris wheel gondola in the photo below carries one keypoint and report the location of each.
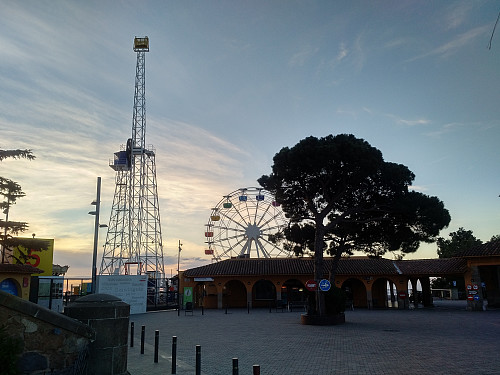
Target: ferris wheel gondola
(247, 223)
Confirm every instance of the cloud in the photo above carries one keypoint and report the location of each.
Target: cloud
(397, 119)
(418, 188)
(414, 122)
(342, 52)
(446, 128)
(454, 45)
(301, 57)
(349, 113)
(456, 14)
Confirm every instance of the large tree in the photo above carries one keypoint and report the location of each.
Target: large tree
(340, 190)
(11, 191)
(459, 241)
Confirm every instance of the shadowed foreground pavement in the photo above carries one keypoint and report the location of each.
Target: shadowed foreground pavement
(442, 340)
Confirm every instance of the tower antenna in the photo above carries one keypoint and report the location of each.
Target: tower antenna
(134, 241)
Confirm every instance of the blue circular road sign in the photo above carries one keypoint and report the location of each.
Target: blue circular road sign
(324, 285)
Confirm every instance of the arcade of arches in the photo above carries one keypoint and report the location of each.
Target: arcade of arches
(369, 282)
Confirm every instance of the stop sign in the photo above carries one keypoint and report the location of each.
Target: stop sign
(311, 285)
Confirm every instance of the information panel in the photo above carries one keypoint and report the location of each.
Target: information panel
(131, 289)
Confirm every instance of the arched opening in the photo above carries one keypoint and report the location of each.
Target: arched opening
(380, 293)
(392, 295)
(415, 292)
(235, 294)
(355, 291)
(293, 291)
(209, 295)
(263, 293)
(10, 286)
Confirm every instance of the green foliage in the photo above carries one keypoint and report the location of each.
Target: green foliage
(11, 191)
(441, 283)
(341, 195)
(495, 237)
(16, 154)
(11, 349)
(460, 241)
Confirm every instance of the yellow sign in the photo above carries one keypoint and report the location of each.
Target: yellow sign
(39, 259)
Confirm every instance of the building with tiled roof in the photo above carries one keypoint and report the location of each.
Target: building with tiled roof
(16, 278)
(482, 278)
(488, 249)
(254, 282)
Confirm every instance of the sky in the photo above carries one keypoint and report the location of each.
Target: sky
(228, 84)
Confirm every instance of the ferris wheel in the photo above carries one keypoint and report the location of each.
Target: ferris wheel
(245, 224)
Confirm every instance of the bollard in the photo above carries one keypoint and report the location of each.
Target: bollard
(174, 354)
(132, 334)
(226, 308)
(248, 307)
(143, 334)
(198, 359)
(235, 366)
(157, 341)
(256, 370)
(202, 310)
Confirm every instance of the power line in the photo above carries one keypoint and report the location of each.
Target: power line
(493, 32)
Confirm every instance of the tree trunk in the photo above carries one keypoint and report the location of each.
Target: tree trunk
(335, 262)
(318, 268)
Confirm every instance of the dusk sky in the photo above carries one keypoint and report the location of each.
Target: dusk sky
(228, 84)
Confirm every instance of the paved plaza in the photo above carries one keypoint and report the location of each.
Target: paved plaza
(441, 340)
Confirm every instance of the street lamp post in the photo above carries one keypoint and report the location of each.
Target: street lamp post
(179, 280)
(97, 204)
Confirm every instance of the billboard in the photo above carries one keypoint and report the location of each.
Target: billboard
(39, 259)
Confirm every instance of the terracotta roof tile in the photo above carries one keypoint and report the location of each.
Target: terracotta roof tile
(347, 266)
(491, 248)
(432, 267)
(19, 268)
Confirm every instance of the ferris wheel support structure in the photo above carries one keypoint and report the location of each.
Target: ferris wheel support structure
(134, 240)
(247, 223)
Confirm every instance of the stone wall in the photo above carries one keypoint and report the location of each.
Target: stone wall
(53, 343)
(109, 317)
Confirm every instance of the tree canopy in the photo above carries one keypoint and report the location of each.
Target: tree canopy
(16, 154)
(11, 191)
(460, 241)
(340, 195)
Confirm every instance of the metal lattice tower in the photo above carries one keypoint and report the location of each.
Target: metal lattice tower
(134, 242)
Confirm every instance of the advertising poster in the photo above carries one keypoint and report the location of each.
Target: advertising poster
(188, 295)
(39, 259)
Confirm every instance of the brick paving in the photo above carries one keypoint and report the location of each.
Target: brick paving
(442, 340)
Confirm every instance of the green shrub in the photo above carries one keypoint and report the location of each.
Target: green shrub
(10, 351)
